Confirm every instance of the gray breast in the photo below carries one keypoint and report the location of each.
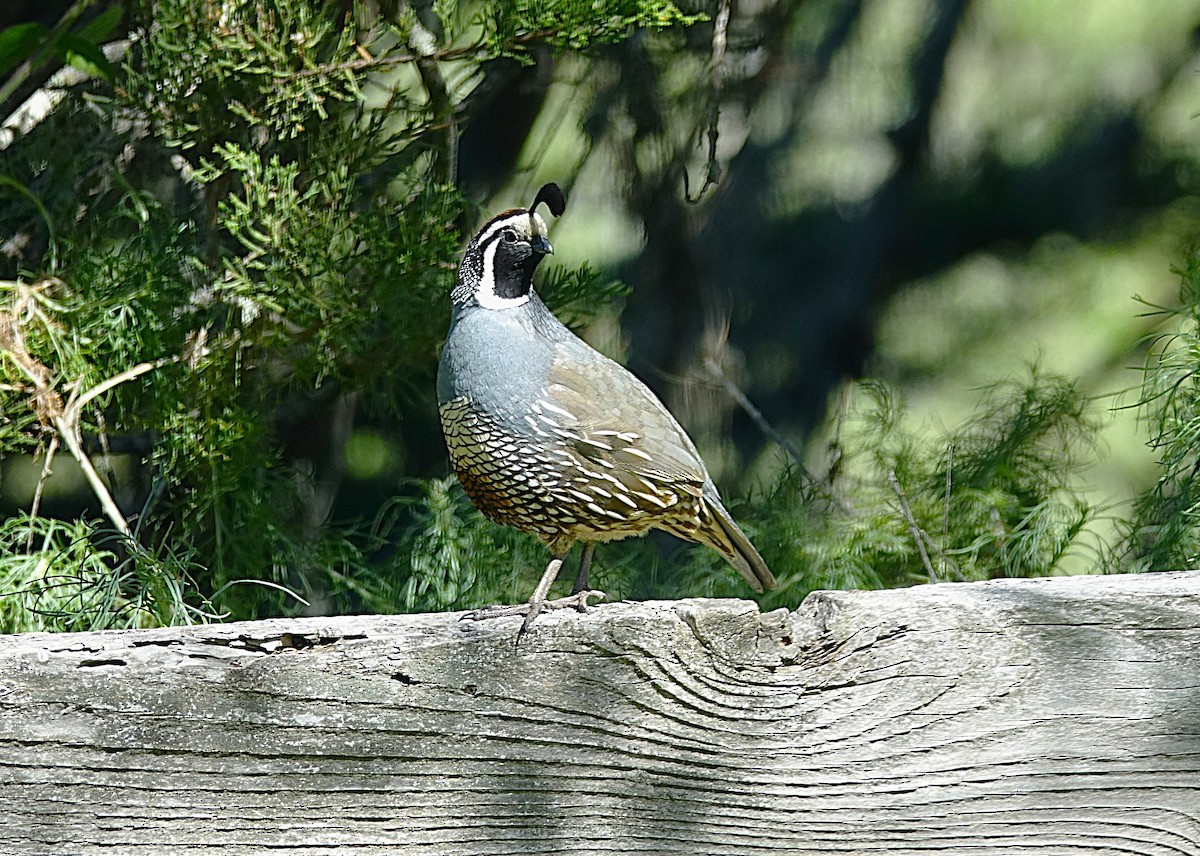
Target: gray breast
(527, 462)
(496, 360)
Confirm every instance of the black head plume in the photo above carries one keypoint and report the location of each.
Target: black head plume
(553, 197)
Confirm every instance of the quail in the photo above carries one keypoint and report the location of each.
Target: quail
(553, 438)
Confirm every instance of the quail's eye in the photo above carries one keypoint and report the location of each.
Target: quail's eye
(508, 236)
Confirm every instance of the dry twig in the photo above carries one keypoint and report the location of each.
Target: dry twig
(913, 528)
(65, 418)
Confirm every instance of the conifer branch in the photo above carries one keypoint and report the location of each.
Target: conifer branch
(383, 63)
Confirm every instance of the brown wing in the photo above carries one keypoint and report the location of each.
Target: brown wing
(615, 424)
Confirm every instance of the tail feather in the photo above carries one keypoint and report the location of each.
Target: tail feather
(727, 538)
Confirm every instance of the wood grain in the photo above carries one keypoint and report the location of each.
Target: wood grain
(1018, 717)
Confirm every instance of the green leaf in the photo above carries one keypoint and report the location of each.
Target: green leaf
(85, 56)
(18, 42)
(101, 27)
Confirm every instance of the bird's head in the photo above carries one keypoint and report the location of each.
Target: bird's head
(498, 265)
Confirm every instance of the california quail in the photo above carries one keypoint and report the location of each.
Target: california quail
(551, 437)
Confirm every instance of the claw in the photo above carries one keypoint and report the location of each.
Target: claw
(532, 609)
(578, 599)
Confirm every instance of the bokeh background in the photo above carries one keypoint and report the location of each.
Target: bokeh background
(938, 195)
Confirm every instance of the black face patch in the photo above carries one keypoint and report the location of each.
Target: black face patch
(513, 266)
(500, 261)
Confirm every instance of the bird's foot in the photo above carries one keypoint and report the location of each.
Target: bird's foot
(576, 599)
(531, 610)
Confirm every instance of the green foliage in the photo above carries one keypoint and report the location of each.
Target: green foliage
(212, 75)
(988, 498)
(236, 248)
(573, 294)
(1163, 532)
(449, 554)
(74, 576)
(573, 24)
(244, 250)
(33, 45)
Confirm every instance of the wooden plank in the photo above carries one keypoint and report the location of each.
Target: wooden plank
(1020, 717)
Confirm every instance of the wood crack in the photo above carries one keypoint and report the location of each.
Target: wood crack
(926, 721)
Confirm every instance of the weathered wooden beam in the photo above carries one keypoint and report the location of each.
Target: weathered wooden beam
(1020, 717)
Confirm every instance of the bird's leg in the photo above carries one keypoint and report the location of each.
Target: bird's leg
(538, 602)
(585, 565)
(579, 595)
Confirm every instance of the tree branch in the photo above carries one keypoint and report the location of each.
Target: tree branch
(65, 418)
(382, 63)
(913, 528)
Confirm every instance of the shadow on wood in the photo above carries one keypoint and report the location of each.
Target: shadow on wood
(1053, 716)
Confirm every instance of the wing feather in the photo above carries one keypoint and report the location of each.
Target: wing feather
(620, 424)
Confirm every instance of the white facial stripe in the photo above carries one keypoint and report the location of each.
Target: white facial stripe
(519, 222)
(493, 229)
(486, 294)
(514, 223)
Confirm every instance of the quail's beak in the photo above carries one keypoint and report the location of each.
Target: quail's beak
(541, 245)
